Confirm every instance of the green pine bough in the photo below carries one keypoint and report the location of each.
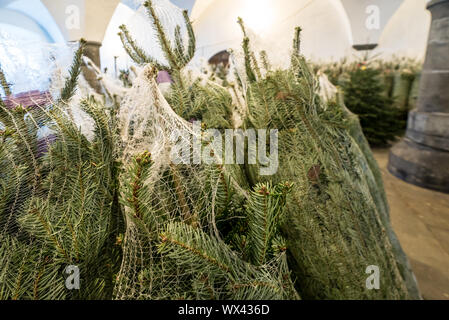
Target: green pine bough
(183, 256)
(57, 209)
(338, 220)
(5, 85)
(381, 120)
(146, 229)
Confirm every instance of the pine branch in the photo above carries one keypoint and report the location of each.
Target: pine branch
(247, 53)
(296, 54)
(248, 67)
(179, 45)
(163, 41)
(37, 219)
(135, 52)
(129, 50)
(181, 240)
(4, 83)
(264, 209)
(5, 115)
(176, 57)
(71, 82)
(200, 254)
(242, 26)
(297, 41)
(133, 188)
(265, 63)
(256, 65)
(192, 41)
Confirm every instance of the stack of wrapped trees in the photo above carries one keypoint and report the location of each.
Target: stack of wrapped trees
(380, 92)
(139, 226)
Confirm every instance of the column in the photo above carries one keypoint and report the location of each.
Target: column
(422, 157)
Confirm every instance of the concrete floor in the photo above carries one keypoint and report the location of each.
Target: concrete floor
(420, 219)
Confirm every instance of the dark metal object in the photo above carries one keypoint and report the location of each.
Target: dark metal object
(365, 47)
(422, 157)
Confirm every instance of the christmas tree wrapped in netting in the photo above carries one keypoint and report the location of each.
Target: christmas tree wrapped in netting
(108, 198)
(337, 214)
(58, 207)
(191, 231)
(194, 230)
(136, 196)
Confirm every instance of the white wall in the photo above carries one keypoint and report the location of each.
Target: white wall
(35, 11)
(327, 33)
(407, 32)
(112, 46)
(20, 21)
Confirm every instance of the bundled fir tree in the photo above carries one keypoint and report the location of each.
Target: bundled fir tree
(381, 121)
(193, 231)
(186, 234)
(59, 203)
(139, 225)
(337, 217)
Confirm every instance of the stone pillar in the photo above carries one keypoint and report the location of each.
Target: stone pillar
(422, 157)
(92, 51)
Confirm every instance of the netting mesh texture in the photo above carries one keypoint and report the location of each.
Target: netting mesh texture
(91, 183)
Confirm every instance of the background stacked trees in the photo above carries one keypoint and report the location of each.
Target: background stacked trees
(380, 92)
(146, 228)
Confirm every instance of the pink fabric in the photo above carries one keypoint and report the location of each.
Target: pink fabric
(163, 77)
(28, 99)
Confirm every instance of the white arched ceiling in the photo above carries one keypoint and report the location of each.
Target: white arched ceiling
(112, 50)
(12, 20)
(325, 27)
(199, 7)
(56, 17)
(32, 15)
(328, 33)
(94, 17)
(368, 18)
(407, 31)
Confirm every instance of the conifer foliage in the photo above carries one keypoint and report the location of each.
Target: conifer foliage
(381, 121)
(138, 225)
(57, 201)
(337, 220)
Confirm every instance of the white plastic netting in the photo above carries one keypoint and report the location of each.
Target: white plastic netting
(148, 124)
(45, 176)
(172, 207)
(71, 170)
(141, 28)
(31, 65)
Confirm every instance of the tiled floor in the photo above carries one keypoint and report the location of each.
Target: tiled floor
(420, 218)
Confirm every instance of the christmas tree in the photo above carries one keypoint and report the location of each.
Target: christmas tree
(187, 222)
(59, 203)
(337, 217)
(381, 121)
(139, 220)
